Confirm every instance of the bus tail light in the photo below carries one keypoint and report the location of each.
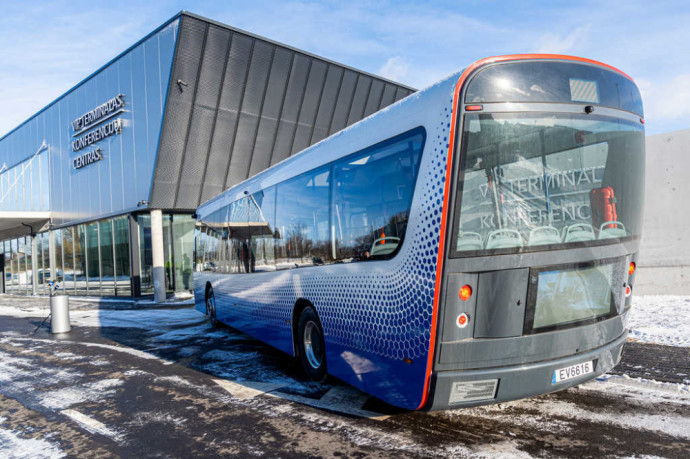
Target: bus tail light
(631, 268)
(628, 290)
(465, 292)
(473, 108)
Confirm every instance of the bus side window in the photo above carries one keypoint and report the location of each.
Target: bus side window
(261, 229)
(212, 233)
(372, 196)
(239, 256)
(302, 224)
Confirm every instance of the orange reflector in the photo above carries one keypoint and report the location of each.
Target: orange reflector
(631, 268)
(465, 292)
(462, 320)
(473, 108)
(406, 360)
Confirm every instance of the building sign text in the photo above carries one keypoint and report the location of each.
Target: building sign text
(87, 158)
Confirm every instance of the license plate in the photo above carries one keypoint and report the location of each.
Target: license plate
(573, 371)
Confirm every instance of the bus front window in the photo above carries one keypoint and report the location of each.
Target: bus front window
(535, 181)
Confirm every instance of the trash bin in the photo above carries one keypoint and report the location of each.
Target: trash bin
(59, 311)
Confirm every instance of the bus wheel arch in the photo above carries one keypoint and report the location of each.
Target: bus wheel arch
(210, 301)
(308, 340)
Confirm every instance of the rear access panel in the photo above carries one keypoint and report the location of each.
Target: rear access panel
(501, 299)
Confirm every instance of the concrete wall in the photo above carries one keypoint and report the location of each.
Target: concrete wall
(664, 261)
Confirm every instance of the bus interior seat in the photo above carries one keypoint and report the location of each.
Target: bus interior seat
(579, 232)
(386, 245)
(503, 239)
(543, 235)
(616, 229)
(468, 240)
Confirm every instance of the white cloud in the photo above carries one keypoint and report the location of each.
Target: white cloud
(394, 69)
(559, 44)
(666, 103)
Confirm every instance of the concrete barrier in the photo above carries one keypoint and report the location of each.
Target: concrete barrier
(664, 261)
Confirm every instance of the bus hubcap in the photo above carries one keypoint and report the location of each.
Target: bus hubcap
(312, 344)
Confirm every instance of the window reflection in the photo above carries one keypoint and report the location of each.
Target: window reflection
(312, 219)
(302, 220)
(372, 197)
(24, 186)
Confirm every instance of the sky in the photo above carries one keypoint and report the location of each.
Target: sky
(46, 47)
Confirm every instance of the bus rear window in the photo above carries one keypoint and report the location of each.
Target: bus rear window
(568, 296)
(536, 181)
(548, 81)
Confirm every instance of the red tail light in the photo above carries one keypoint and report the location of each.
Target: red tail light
(631, 268)
(465, 292)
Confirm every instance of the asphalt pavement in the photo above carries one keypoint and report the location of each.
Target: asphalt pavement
(163, 382)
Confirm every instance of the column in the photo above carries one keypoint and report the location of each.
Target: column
(34, 265)
(158, 256)
(52, 257)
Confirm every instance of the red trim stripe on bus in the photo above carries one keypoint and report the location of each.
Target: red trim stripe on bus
(446, 200)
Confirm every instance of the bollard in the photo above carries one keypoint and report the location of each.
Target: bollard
(59, 311)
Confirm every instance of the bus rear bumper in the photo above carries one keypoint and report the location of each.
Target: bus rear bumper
(450, 388)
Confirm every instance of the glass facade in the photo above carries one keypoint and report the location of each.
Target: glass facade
(178, 252)
(25, 186)
(95, 259)
(90, 259)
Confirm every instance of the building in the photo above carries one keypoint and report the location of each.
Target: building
(98, 188)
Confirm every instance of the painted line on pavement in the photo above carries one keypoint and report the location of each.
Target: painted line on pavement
(246, 390)
(93, 425)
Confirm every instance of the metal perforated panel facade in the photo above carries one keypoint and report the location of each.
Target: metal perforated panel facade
(238, 104)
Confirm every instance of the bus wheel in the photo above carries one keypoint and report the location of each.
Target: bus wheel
(211, 305)
(312, 351)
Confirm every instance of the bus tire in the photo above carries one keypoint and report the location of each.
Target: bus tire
(211, 305)
(311, 345)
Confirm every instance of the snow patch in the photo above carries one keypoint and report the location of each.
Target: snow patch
(69, 396)
(660, 319)
(12, 445)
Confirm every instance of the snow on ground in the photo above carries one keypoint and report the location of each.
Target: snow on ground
(562, 414)
(661, 319)
(652, 392)
(148, 319)
(15, 445)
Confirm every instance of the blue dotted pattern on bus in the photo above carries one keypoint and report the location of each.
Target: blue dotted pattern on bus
(384, 312)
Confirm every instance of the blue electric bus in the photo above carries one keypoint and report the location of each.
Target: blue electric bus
(473, 243)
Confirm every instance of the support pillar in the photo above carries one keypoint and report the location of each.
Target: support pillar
(52, 258)
(34, 265)
(158, 256)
